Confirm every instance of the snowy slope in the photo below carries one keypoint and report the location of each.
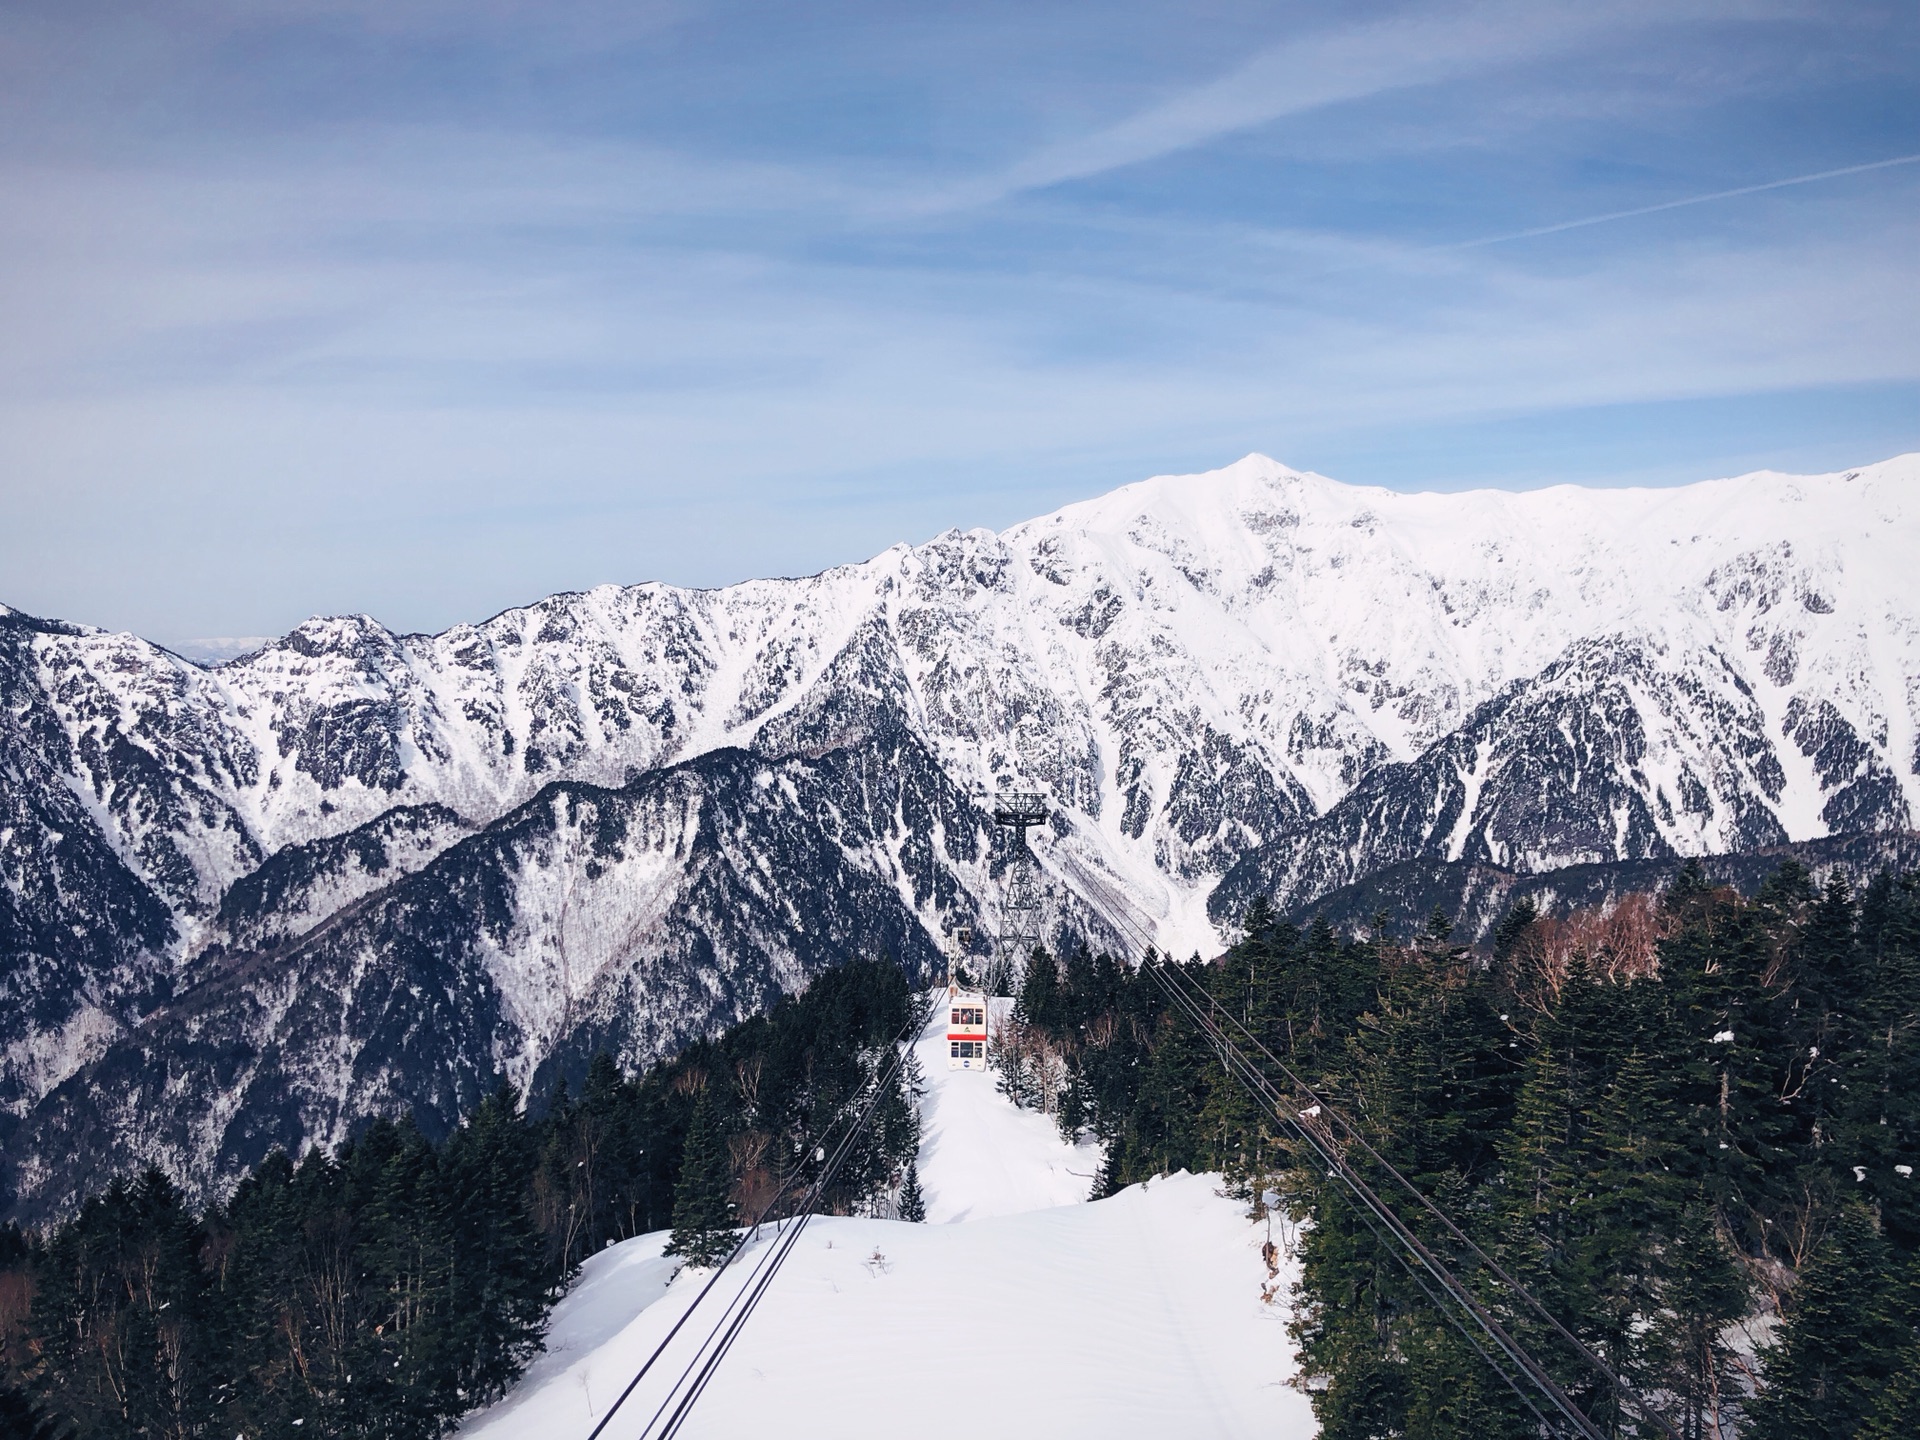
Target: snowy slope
(980, 1158)
(1140, 1315)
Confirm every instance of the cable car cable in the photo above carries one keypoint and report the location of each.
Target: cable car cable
(1166, 974)
(1250, 1079)
(757, 1287)
(745, 1237)
(1373, 1213)
(1369, 1201)
(914, 1022)
(1520, 1291)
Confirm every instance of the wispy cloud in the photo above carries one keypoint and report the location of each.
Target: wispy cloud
(1681, 204)
(1335, 66)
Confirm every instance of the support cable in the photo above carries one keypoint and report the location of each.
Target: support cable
(1165, 974)
(1448, 1313)
(915, 1022)
(756, 1288)
(1338, 1167)
(1514, 1286)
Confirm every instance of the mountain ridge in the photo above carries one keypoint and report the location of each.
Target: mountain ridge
(1253, 681)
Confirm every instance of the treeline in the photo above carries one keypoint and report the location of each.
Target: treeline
(1690, 1127)
(386, 1288)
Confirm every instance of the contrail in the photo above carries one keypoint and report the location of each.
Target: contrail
(1676, 204)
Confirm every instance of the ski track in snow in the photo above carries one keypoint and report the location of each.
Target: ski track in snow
(1017, 1310)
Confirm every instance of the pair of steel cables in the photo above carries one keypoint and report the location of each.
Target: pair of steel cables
(1305, 1115)
(698, 1371)
(1328, 1135)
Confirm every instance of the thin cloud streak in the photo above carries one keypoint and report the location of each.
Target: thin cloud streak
(1331, 68)
(1680, 204)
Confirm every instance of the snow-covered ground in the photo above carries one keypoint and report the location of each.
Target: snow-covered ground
(1018, 1310)
(979, 1156)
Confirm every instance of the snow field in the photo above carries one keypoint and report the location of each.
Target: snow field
(1140, 1315)
(1018, 1310)
(979, 1156)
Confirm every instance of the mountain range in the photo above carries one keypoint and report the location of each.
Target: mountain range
(248, 904)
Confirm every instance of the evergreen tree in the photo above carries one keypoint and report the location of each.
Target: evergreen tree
(1513, 928)
(1426, 1068)
(1039, 1000)
(497, 1290)
(1843, 1343)
(21, 1419)
(1704, 1290)
(410, 1254)
(702, 1214)
(1893, 1415)
(122, 1318)
(1164, 1130)
(1881, 1127)
(1899, 1400)
(913, 1204)
(380, 1291)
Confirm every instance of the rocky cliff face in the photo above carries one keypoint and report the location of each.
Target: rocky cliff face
(356, 870)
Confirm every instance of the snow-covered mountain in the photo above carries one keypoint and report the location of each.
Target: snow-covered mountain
(356, 869)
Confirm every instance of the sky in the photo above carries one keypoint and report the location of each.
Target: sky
(428, 309)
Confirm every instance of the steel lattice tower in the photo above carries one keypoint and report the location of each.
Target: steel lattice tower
(1019, 811)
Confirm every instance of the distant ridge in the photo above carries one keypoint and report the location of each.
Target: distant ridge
(1477, 897)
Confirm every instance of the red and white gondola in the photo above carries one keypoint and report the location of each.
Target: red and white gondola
(966, 1029)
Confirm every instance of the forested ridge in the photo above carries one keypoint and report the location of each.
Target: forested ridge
(385, 1289)
(1689, 1125)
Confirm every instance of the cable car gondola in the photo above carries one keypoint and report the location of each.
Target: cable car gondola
(966, 1029)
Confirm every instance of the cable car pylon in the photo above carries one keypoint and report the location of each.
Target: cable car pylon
(1018, 811)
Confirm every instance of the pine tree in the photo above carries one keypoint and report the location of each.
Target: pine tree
(1704, 1290)
(1164, 1131)
(122, 1315)
(1427, 1070)
(1882, 1126)
(1893, 1413)
(1843, 1343)
(1040, 1000)
(702, 1214)
(498, 1286)
(913, 1205)
(411, 1254)
(1508, 934)
(21, 1419)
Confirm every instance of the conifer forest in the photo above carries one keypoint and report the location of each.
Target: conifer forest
(1678, 1122)
(1665, 1121)
(388, 1288)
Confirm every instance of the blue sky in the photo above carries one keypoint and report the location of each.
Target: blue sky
(429, 309)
